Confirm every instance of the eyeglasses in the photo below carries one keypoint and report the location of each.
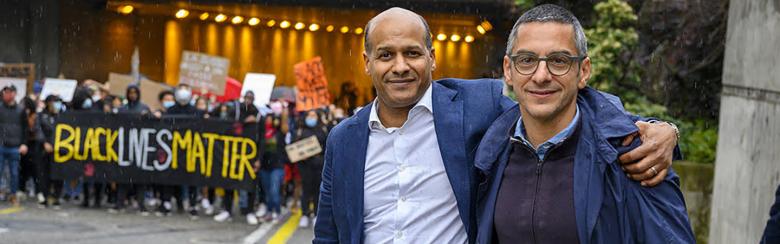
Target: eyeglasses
(558, 64)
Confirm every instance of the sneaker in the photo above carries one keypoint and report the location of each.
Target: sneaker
(251, 219)
(193, 214)
(205, 204)
(143, 212)
(41, 198)
(115, 210)
(56, 204)
(304, 222)
(261, 210)
(222, 216)
(164, 209)
(209, 210)
(274, 218)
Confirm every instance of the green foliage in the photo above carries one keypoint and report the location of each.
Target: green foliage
(611, 40)
(525, 4)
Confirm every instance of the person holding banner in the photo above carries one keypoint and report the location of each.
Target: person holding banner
(311, 168)
(13, 125)
(81, 102)
(182, 109)
(48, 120)
(136, 107)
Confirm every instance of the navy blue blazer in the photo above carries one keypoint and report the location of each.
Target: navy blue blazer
(463, 110)
(609, 207)
(772, 229)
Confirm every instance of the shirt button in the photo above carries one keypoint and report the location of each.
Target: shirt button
(399, 234)
(403, 199)
(401, 168)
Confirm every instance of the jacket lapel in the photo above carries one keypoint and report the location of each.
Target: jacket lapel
(354, 162)
(448, 121)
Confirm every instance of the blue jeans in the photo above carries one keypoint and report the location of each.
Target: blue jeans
(10, 156)
(272, 180)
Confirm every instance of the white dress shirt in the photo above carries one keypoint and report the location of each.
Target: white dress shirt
(407, 195)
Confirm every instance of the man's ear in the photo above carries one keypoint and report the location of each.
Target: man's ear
(507, 70)
(585, 71)
(365, 60)
(433, 59)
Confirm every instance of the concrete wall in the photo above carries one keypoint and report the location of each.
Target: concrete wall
(747, 169)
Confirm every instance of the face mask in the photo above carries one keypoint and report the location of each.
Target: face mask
(311, 122)
(276, 108)
(57, 106)
(96, 98)
(168, 104)
(87, 104)
(223, 115)
(183, 96)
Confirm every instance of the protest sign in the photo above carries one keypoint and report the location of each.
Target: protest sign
(202, 71)
(63, 88)
(312, 85)
(20, 70)
(303, 149)
(19, 83)
(117, 84)
(150, 90)
(260, 84)
(128, 148)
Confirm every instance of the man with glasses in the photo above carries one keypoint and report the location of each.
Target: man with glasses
(550, 167)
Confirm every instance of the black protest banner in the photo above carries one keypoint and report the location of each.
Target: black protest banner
(172, 151)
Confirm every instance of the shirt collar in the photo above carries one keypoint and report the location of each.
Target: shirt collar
(426, 102)
(555, 140)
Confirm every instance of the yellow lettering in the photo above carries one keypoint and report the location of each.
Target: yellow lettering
(77, 146)
(198, 154)
(63, 143)
(210, 150)
(180, 142)
(110, 140)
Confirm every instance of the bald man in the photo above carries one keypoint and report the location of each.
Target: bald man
(401, 170)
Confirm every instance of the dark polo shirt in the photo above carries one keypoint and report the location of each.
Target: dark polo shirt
(535, 202)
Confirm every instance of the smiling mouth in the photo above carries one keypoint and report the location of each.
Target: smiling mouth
(401, 81)
(543, 93)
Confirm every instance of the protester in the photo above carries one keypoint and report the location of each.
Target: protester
(167, 100)
(29, 162)
(134, 104)
(81, 102)
(311, 168)
(182, 109)
(272, 164)
(50, 188)
(136, 107)
(13, 124)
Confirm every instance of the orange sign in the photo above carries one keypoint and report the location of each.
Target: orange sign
(312, 85)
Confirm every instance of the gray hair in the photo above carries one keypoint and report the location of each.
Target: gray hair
(550, 13)
(427, 36)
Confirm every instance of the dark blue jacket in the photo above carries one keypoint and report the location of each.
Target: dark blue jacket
(464, 109)
(609, 207)
(772, 230)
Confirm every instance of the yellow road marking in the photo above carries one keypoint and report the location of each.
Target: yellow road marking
(287, 229)
(11, 210)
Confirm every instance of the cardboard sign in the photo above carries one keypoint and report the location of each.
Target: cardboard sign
(117, 84)
(312, 85)
(61, 87)
(261, 84)
(303, 149)
(204, 71)
(19, 83)
(21, 70)
(149, 91)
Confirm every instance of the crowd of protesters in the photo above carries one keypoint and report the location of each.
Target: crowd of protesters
(26, 153)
